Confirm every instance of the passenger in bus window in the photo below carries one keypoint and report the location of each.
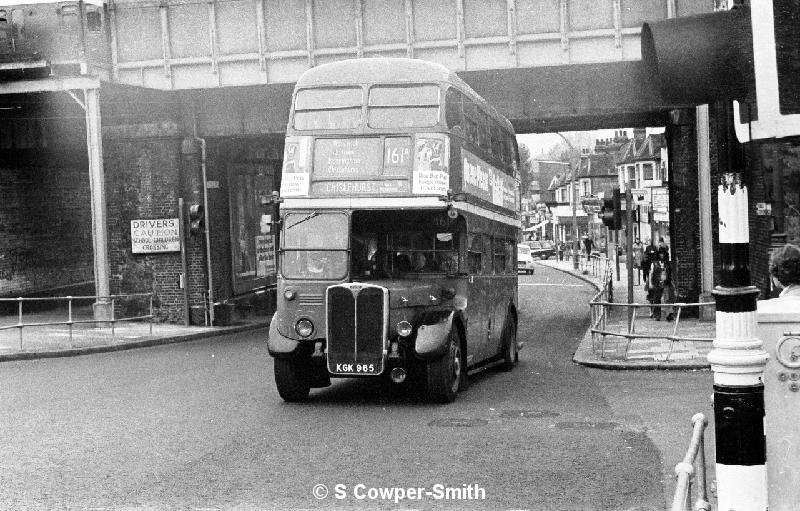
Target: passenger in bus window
(402, 262)
(420, 262)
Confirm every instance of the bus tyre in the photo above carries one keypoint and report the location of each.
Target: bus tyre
(510, 352)
(446, 374)
(292, 386)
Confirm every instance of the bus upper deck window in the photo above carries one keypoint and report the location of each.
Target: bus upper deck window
(328, 108)
(403, 106)
(453, 114)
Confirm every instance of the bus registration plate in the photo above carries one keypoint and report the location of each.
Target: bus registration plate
(352, 368)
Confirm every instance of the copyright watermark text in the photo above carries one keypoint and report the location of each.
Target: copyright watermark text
(398, 494)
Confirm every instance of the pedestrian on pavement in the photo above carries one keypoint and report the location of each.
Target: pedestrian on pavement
(785, 270)
(587, 245)
(560, 247)
(648, 258)
(663, 248)
(638, 253)
(669, 289)
(655, 286)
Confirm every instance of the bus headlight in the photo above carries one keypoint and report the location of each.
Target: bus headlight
(289, 293)
(304, 327)
(404, 328)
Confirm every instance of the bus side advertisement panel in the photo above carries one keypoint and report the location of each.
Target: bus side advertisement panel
(487, 182)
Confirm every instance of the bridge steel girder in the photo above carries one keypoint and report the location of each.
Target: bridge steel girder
(573, 98)
(562, 98)
(187, 44)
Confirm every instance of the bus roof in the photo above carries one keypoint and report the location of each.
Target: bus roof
(388, 70)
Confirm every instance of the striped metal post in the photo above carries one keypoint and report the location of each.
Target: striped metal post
(738, 360)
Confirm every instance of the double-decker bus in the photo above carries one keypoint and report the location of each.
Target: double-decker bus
(398, 230)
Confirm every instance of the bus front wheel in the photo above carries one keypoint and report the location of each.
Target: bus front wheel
(292, 384)
(445, 375)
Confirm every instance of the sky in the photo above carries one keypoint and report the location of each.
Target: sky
(542, 143)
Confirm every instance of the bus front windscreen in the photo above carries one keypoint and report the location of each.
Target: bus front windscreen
(314, 246)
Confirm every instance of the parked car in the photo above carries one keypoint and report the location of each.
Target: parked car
(542, 249)
(524, 259)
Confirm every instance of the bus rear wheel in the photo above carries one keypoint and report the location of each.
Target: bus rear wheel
(510, 352)
(446, 374)
(291, 383)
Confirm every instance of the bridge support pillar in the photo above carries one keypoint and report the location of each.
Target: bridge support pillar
(94, 144)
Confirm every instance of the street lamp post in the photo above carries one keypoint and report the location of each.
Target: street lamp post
(576, 246)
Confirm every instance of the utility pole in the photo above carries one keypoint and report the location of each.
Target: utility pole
(576, 245)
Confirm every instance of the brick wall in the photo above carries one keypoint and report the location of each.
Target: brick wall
(684, 203)
(45, 218)
(760, 225)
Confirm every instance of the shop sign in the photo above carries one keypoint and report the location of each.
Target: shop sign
(660, 200)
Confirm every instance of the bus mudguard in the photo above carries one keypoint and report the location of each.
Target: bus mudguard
(278, 345)
(432, 334)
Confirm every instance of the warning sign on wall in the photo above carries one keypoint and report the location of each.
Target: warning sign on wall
(155, 236)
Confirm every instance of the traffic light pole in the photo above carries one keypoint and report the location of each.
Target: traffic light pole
(629, 250)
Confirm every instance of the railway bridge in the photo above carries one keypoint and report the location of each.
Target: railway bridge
(155, 100)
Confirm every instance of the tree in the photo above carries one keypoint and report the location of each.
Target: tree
(526, 174)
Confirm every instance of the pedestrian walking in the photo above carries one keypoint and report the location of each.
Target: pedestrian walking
(560, 247)
(638, 254)
(587, 245)
(655, 286)
(669, 289)
(663, 248)
(649, 256)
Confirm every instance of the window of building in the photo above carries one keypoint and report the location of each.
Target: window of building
(586, 187)
(94, 18)
(17, 22)
(648, 172)
(69, 14)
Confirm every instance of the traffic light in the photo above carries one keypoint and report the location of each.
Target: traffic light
(196, 219)
(610, 214)
(750, 55)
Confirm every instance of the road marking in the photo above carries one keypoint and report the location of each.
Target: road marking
(547, 284)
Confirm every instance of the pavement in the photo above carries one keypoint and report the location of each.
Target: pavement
(664, 347)
(59, 340)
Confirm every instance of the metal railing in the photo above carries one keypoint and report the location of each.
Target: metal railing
(692, 470)
(71, 321)
(596, 265)
(600, 332)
